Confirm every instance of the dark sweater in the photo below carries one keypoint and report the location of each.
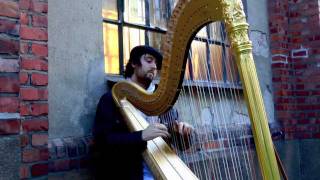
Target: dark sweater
(117, 152)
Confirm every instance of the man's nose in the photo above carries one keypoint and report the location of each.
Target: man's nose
(154, 64)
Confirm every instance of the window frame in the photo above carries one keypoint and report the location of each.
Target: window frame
(121, 24)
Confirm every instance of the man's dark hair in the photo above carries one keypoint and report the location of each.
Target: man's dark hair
(135, 56)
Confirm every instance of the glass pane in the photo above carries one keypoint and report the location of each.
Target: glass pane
(215, 31)
(159, 13)
(187, 75)
(155, 39)
(134, 11)
(202, 33)
(131, 37)
(199, 62)
(216, 68)
(111, 48)
(109, 9)
(173, 4)
(232, 71)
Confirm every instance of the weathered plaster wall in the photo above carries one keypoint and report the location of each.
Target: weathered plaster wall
(257, 16)
(76, 66)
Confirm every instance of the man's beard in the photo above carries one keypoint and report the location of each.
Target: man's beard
(148, 78)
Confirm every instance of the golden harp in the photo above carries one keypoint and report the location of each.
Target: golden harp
(188, 17)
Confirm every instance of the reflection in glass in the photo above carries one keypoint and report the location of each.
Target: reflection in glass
(216, 61)
(109, 9)
(134, 11)
(131, 37)
(111, 48)
(199, 63)
(159, 16)
(155, 39)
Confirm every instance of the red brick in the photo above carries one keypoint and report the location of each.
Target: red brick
(9, 46)
(279, 58)
(9, 9)
(9, 27)
(297, 40)
(9, 104)
(39, 79)
(34, 64)
(316, 93)
(303, 135)
(9, 84)
(316, 135)
(302, 93)
(40, 49)
(24, 109)
(39, 169)
(33, 94)
(39, 109)
(24, 47)
(25, 4)
(23, 78)
(33, 33)
(9, 65)
(34, 154)
(24, 172)
(24, 140)
(39, 21)
(300, 86)
(9, 127)
(41, 7)
(39, 139)
(24, 18)
(61, 165)
(35, 125)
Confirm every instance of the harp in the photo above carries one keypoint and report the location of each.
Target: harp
(188, 17)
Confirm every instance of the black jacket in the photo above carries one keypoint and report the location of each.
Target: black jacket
(117, 152)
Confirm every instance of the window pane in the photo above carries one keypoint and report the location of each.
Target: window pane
(173, 4)
(232, 71)
(109, 9)
(216, 63)
(111, 48)
(199, 62)
(155, 39)
(215, 31)
(159, 13)
(187, 74)
(202, 33)
(134, 11)
(131, 37)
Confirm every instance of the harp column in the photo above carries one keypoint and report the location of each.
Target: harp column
(238, 32)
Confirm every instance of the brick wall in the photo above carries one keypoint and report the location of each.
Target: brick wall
(295, 41)
(33, 87)
(24, 80)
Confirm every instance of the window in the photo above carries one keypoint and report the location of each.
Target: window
(128, 23)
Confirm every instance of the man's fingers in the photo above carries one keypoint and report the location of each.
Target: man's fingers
(180, 128)
(162, 134)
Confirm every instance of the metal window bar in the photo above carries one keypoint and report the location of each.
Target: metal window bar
(121, 24)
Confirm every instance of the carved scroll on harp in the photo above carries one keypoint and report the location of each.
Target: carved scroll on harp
(187, 18)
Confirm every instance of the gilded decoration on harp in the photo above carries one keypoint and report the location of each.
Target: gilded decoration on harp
(233, 12)
(236, 23)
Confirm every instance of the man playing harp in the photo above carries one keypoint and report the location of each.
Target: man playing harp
(119, 150)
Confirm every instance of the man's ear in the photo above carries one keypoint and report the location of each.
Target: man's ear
(133, 65)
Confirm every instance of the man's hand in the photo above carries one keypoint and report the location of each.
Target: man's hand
(182, 128)
(155, 130)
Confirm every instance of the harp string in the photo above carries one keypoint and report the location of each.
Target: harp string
(220, 151)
